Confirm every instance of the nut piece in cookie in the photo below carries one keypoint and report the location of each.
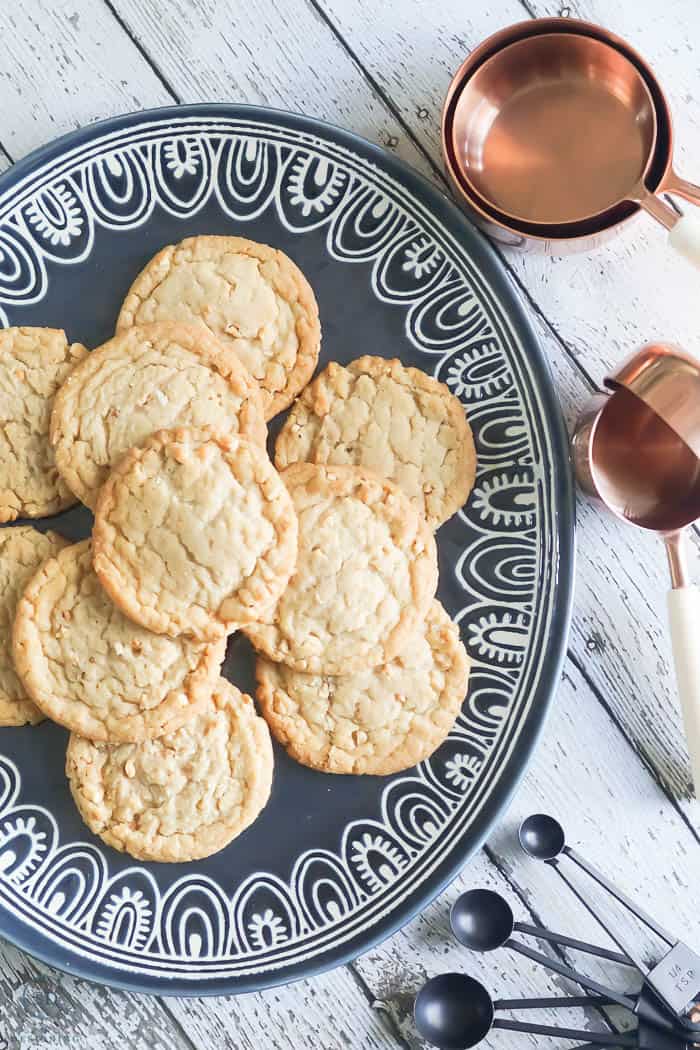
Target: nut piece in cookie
(33, 364)
(366, 573)
(251, 296)
(22, 551)
(143, 380)
(89, 668)
(181, 797)
(195, 533)
(396, 421)
(379, 720)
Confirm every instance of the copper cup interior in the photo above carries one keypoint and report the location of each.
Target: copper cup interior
(556, 130)
(641, 468)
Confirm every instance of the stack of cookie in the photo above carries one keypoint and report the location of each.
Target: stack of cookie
(328, 563)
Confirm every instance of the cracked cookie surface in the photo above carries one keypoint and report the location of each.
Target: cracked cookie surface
(22, 552)
(366, 573)
(379, 720)
(195, 533)
(394, 420)
(89, 668)
(141, 381)
(252, 297)
(181, 797)
(34, 362)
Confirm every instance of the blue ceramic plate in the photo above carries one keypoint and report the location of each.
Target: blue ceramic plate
(334, 864)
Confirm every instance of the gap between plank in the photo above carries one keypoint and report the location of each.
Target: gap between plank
(528, 8)
(647, 765)
(177, 1025)
(143, 52)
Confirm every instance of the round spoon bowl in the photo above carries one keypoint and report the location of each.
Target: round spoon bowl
(482, 920)
(542, 837)
(453, 1011)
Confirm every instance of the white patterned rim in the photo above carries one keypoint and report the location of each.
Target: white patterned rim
(196, 929)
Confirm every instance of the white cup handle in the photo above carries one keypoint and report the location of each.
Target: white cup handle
(684, 238)
(684, 616)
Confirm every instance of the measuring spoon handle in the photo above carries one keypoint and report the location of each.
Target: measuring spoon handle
(594, 1038)
(571, 942)
(572, 975)
(555, 1002)
(619, 896)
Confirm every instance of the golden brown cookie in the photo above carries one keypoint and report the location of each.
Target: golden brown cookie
(92, 670)
(22, 552)
(366, 573)
(181, 797)
(195, 533)
(379, 720)
(143, 380)
(252, 297)
(396, 421)
(33, 364)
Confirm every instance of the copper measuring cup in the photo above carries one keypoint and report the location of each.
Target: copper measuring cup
(637, 453)
(528, 81)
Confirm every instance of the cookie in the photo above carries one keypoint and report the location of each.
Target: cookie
(181, 797)
(195, 533)
(396, 421)
(143, 380)
(22, 552)
(92, 670)
(366, 573)
(34, 362)
(379, 720)
(252, 297)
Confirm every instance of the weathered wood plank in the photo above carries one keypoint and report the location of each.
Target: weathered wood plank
(266, 53)
(600, 303)
(327, 1011)
(334, 89)
(75, 65)
(585, 774)
(43, 1009)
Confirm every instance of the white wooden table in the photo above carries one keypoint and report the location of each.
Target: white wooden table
(612, 763)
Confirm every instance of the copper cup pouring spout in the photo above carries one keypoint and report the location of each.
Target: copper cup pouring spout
(637, 452)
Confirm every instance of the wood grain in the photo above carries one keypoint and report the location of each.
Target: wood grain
(382, 69)
(328, 1011)
(76, 65)
(42, 1009)
(265, 53)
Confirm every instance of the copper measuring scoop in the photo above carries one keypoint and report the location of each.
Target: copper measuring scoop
(558, 129)
(637, 452)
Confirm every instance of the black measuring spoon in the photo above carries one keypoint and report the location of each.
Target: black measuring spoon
(486, 918)
(675, 978)
(455, 1012)
(482, 920)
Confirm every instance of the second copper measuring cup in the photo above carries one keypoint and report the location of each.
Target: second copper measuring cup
(637, 452)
